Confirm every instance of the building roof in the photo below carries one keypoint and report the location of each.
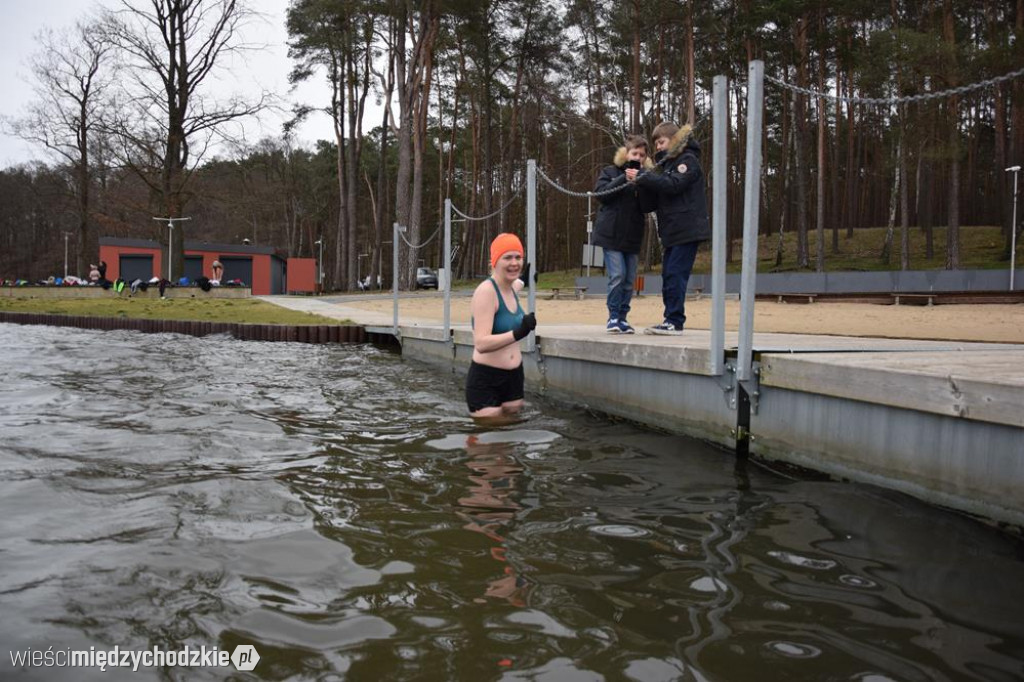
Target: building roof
(192, 246)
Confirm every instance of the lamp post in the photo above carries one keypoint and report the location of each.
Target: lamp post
(170, 244)
(320, 264)
(1013, 226)
(359, 269)
(65, 255)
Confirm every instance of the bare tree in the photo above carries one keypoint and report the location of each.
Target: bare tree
(412, 73)
(167, 121)
(69, 78)
(337, 38)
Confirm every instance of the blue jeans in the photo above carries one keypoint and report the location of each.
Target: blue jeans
(621, 270)
(675, 275)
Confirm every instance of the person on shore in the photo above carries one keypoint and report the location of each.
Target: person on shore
(218, 273)
(494, 384)
(620, 228)
(677, 183)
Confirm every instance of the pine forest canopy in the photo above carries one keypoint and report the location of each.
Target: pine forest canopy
(475, 88)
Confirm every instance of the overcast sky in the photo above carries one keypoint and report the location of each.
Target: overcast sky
(23, 19)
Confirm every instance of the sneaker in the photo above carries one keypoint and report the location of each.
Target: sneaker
(613, 327)
(626, 327)
(666, 328)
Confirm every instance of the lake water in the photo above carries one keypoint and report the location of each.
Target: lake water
(335, 508)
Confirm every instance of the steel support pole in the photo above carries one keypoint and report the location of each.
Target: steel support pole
(1013, 229)
(394, 276)
(719, 233)
(531, 242)
(751, 215)
(170, 251)
(590, 231)
(448, 268)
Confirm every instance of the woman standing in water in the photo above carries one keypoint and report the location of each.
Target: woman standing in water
(494, 385)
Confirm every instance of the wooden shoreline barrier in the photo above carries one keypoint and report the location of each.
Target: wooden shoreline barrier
(246, 332)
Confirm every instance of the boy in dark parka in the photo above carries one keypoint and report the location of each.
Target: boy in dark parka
(677, 183)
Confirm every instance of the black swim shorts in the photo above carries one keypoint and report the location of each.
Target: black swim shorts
(488, 386)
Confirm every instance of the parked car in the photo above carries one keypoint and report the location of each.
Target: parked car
(426, 278)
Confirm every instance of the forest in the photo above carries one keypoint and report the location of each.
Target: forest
(903, 115)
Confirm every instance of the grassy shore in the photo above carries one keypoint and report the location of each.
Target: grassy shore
(237, 310)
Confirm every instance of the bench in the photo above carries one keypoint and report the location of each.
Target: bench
(914, 299)
(577, 292)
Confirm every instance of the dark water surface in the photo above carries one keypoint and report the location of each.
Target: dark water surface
(336, 508)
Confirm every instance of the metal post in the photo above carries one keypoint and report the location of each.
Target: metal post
(170, 244)
(65, 255)
(590, 230)
(531, 242)
(320, 265)
(1013, 225)
(448, 268)
(751, 215)
(359, 269)
(170, 250)
(394, 275)
(720, 189)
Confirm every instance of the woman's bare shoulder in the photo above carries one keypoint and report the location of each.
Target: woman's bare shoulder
(485, 288)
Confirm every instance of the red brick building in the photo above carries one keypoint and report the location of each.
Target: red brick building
(259, 267)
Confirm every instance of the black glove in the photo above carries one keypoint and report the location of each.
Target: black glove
(524, 275)
(528, 324)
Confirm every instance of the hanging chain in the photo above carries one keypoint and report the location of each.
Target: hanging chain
(963, 89)
(571, 193)
(419, 246)
(515, 195)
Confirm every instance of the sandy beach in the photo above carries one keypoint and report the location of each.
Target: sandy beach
(995, 323)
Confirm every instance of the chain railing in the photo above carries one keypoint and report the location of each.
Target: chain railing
(584, 195)
(401, 236)
(515, 195)
(961, 90)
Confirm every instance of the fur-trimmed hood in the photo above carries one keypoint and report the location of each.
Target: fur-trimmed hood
(620, 159)
(680, 141)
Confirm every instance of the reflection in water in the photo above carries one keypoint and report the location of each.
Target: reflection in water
(490, 507)
(336, 508)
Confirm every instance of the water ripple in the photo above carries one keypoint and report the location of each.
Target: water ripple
(334, 506)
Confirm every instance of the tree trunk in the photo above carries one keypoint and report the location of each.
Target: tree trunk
(904, 202)
(637, 87)
(822, 115)
(953, 229)
(800, 132)
(893, 202)
(691, 77)
(338, 100)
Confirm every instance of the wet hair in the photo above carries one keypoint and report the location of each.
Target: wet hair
(635, 142)
(665, 129)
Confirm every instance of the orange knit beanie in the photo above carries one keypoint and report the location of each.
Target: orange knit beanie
(502, 244)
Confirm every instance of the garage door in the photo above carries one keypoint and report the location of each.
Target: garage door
(237, 267)
(134, 267)
(193, 267)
